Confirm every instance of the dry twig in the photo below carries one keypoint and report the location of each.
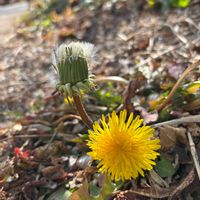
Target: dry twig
(180, 37)
(63, 118)
(157, 193)
(194, 154)
(185, 183)
(189, 119)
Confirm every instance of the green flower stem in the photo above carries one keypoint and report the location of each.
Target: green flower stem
(82, 112)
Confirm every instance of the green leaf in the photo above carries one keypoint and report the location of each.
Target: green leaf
(164, 167)
(94, 189)
(61, 194)
(45, 23)
(180, 3)
(151, 2)
(107, 188)
(165, 114)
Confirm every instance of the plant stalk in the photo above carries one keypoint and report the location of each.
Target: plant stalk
(82, 112)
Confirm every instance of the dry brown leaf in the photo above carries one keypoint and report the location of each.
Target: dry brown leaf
(55, 173)
(17, 127)
(82, 193)
(66, 31)
(156, 179)
(6, 170)
(147, 116)
(2, 194)
(194, 105)
(135, 84)
(47, 151)
(143, 43)
(194, 129)
(169, 136)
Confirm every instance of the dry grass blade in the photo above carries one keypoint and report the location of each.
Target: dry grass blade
(194, 154)
(65, 117)
(35, 121)
(189, 119)
(186, 182)
(182, 77)
(116, 79)
(180, 37)
(158, 192)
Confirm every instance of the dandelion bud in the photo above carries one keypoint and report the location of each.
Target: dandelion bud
(71, 62)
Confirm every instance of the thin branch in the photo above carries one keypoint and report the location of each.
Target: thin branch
(176, 86)
(185, 183)
(189, 119)
(153, 192)
(194, 154)
(80, 108)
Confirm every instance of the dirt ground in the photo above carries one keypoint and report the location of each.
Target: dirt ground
(129, 36)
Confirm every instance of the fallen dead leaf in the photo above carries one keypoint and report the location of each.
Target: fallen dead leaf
(169, 136)
(194, 105)
(82, 193)
(46, 151)
(17, 127)
(194, 129)
(55, 173)
(2, 194)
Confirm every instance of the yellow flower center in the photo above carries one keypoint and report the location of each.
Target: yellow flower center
(124, 149)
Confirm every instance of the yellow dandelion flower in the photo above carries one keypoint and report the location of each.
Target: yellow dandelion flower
(124, 148)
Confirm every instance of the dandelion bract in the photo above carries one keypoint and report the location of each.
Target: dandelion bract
(71, 62)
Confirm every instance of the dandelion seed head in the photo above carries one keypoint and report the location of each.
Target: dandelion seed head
(71, 62)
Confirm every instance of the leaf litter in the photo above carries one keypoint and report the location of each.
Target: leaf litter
(42, 138)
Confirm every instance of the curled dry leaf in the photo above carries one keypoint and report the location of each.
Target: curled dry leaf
(47, 151)
(194, 129)
(2, 194)
(135, 84)
(29, 189)
(169, 136)
(175, 70)
(82, 193)
(55, 173)
(154, 178)
(194, 105)
(147, 116)
(6, 170)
